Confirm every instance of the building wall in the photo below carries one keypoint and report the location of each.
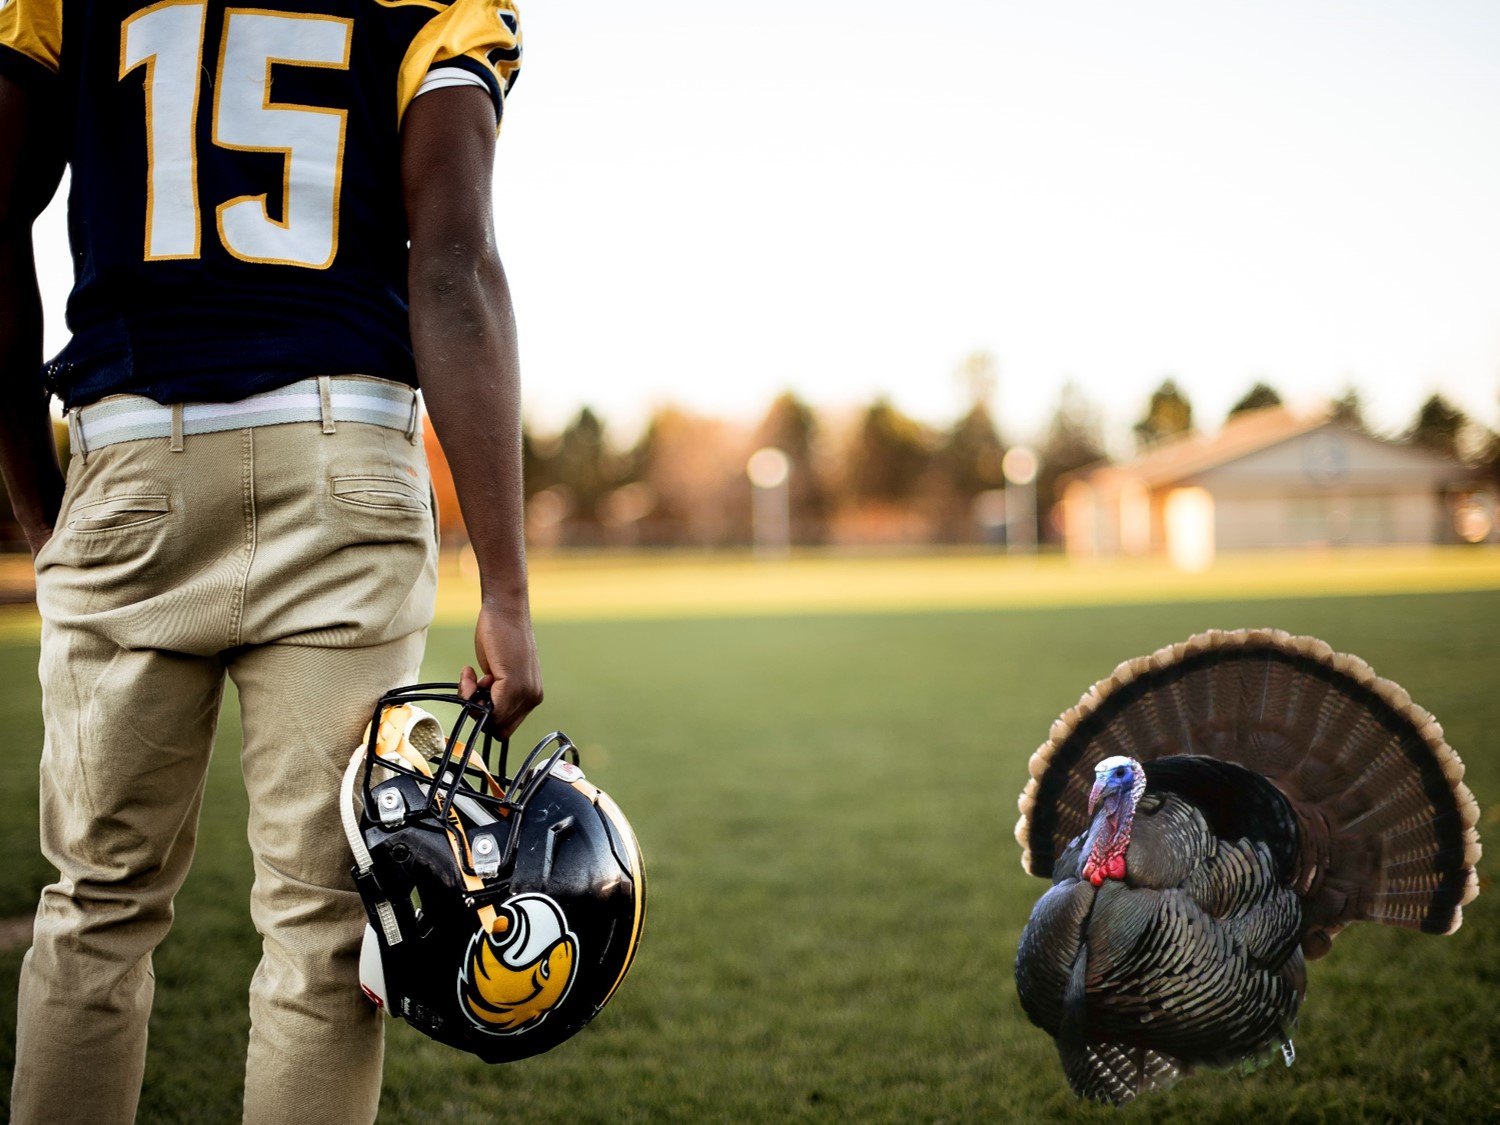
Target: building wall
(1335, 461)
(1324, 487)
(1328, 519)
(1083, 535)
(1330, 487)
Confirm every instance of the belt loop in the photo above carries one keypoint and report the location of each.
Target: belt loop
(412, 424)
(176, 446)
(325, 400)
(75, 435)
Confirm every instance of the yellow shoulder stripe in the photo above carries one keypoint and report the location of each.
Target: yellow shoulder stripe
(487, 32)
(33, 28)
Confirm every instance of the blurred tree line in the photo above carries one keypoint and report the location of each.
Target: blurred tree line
(870, 476)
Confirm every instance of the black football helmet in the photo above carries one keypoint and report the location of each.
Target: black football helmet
(504, 911)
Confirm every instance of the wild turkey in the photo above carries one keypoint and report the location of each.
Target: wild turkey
(1210, 816)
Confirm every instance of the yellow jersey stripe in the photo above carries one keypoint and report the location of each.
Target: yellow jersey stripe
(485, 33)
(33, 28)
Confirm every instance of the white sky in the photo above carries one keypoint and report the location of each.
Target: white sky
(706, 203)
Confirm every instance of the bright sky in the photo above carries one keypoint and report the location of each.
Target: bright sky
(706, 203)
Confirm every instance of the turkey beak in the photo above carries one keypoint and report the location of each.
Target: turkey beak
(1105, 787)
(1094, 796)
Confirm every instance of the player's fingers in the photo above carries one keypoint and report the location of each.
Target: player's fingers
(512, 703)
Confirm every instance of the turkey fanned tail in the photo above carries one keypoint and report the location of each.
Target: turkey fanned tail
(1289, 792)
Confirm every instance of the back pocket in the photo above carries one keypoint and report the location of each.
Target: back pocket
(115, 512)
(389, 493)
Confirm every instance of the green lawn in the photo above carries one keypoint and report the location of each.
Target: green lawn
(826, 806)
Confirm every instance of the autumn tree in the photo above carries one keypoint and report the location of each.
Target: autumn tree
(576, 470)
(971, 453)
(965, 462)
(1438, 427)
(1168, 414)
(980, 375)
(791, 426)
(1348, 410)
(1075, 438)
(888, 456)
(694, 468)
(1489, 457)
(1262, 396)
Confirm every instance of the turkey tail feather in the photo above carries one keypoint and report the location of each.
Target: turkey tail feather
(1386, 828)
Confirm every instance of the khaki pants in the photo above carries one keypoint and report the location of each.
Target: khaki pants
(303, 566)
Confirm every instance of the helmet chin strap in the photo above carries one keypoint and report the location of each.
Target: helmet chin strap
(492, 922)
(362, 859)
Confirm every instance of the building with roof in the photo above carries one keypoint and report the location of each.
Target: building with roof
(1268, 479)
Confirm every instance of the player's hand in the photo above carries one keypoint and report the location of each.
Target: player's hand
(508, 667)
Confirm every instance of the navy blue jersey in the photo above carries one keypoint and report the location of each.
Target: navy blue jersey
(235, 211)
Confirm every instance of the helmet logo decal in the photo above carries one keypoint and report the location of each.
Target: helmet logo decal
(512, 979)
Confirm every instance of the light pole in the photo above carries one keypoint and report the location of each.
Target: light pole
(769, 471)
(1020, 467)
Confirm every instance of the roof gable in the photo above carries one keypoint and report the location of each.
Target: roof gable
(1273, 446)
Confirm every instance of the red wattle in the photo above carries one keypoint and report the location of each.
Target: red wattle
(1114, 867)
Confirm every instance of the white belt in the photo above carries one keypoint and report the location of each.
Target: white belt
(325, 398)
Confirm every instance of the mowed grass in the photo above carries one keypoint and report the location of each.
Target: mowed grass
(826, 806)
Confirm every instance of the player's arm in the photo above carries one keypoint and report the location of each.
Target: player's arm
(30, 167)
(464, 338)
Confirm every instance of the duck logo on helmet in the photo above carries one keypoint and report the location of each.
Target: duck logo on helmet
(515, 975)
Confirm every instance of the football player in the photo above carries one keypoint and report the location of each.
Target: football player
(281, 227)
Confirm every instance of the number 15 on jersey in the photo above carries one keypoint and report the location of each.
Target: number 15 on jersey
(168, 41)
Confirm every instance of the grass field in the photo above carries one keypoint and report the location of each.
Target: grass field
(826, 800)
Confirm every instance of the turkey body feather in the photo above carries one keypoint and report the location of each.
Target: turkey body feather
(1287, 792)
